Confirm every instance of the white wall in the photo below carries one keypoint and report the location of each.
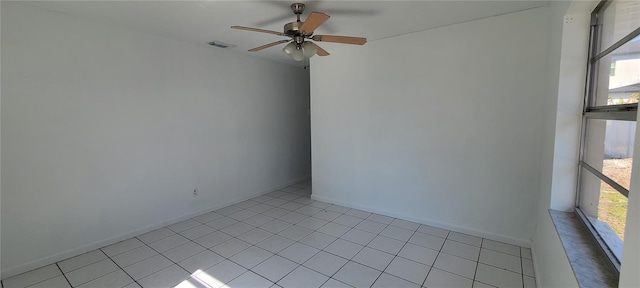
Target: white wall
(561, 124)
(441, 126)
(106, 131)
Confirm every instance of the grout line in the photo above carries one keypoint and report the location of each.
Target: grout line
(63, 275)
(121, 268)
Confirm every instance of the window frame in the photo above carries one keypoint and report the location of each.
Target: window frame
(625, 112)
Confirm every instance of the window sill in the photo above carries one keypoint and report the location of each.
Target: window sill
(589, 264)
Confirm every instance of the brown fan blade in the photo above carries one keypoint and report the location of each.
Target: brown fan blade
(258, 30)
(268, 45)
(340, 39)
(314, 21)
(319, 50)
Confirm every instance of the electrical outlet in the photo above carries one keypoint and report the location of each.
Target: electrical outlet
(195, 192)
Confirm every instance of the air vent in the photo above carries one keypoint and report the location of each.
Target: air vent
(221, 44)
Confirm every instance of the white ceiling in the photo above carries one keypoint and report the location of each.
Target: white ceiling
(205, 21)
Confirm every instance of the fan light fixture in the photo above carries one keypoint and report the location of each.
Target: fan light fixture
(301, 34)
(299, 52)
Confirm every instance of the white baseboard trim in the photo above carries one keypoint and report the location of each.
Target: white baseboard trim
(447, 226)
(535, 265)
(12, 271)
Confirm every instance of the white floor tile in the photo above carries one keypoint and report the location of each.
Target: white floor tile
(293, 217)
(358, 236)
(456, 265)
(465, 238)
(113, 279)
(275, 268)
(527, 267)
(249, 280)
(221, 223)
(292, 206)
(220, 273)
(237, 229)
(208, 217)
(529, 282)
(298, 253)
(327, 215)
(338, 208)
(167, 277)
(262, 198)
(246, 204)
(192, 282)
(197, 232)
(501, 247)
(55, 282)
(260, 208)
(251, 257)
(373, 258)
(184, 225)
(134, 256)
(155, 235)
(212, 239)
(303, 277)
(242, 215)
(319, 204)
(87, 273)
(226, 211)
(334, 229)
(201, 261)
(312, 223)
(501, 260)
(387, 280)
(477, 284)
(309, 210)
(168, 243)
(358, 213)
(325, 263)
(230, 247)
(418, 253)
(397, 233)
(439, 232)
(357, 275)
(318, 240)
(121, 247)
(147, 267)
(183, 251)
(380, 219)
(413, 226)
(371, 226)
(275, 243)
(347, 220)
(276, 226)
(255, 236)
(426, 240)
(439, 278)
(258, 220)
(461, 250)
(332, 283)
(386, 244)
(133, 285)
(497, 277)
(343, 248)
(526, 253)
(408, 270)
(295, 233)
(81, 260)
(276, 202)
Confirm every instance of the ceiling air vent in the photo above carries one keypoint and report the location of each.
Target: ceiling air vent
(221, 44)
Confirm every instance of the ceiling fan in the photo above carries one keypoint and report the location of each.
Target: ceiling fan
(301, 33)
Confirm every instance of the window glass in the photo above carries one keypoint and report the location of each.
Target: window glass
(618, 20)
(623, 85)
(609, 148)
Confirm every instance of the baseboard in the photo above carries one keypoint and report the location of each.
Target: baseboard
(12, 271)
(447, 226)
(535, 265)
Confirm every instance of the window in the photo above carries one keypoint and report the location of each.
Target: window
(609, 122)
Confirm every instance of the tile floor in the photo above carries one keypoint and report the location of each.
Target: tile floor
(285, 239)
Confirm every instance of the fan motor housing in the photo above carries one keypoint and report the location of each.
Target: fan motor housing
(293, 28)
